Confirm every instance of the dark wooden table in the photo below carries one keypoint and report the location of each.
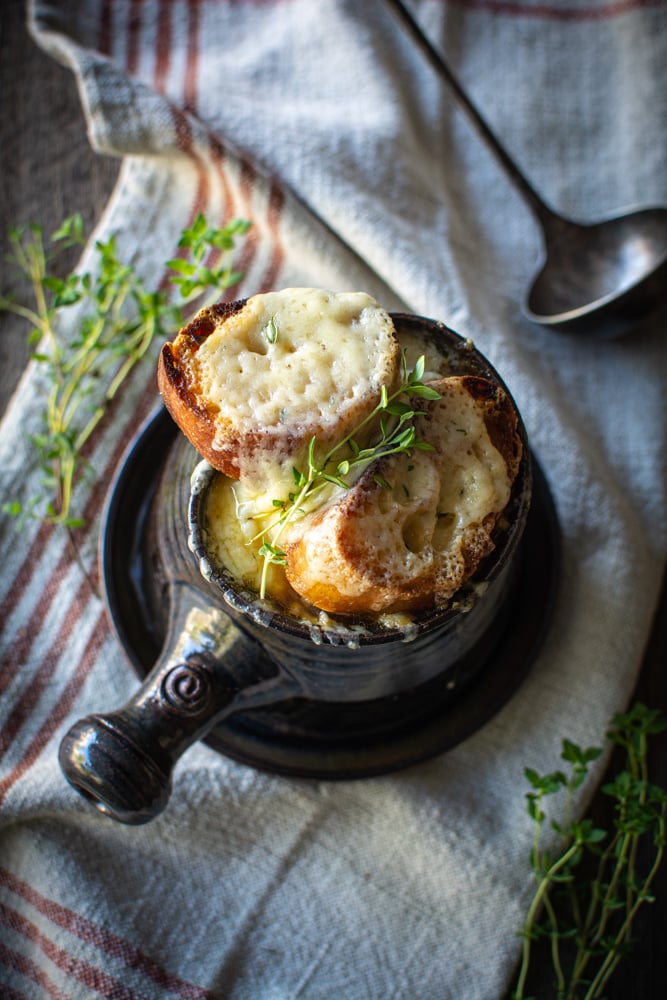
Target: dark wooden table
(48, 171)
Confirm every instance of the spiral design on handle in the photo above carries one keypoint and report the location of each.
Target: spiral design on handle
(187, 688)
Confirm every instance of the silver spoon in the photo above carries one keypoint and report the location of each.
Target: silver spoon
(600, 279)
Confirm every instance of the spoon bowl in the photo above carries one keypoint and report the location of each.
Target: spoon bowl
(600, 280)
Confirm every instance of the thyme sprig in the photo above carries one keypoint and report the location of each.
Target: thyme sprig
(394, 415)
(193, 276)
(590, 891)
(85, 361)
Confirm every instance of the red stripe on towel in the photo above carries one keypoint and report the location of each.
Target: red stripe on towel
(275, 207)
(185, 143)
(276, 204)
(30, 629)
(45, 670)
(105, 28)
(44, 674)
(246, 209)
(192, 61)
(75, 968)
(30, 970)
(58, 713)
(71, 612)
(251, 244)
(16, 590)
(134, 33)
(163, 47)
(248, 173)
(97, 936)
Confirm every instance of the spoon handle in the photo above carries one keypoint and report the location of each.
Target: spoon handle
(543, 213)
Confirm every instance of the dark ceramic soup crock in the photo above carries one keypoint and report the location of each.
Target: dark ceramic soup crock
(229, 656)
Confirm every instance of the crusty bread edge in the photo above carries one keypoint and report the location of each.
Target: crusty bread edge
(190, 413)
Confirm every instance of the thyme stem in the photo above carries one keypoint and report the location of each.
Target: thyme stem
(398, 438)
(615, 890)
(119, 319)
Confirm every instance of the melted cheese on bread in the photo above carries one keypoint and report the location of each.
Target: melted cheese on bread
(402, 546)
(415, 526)
(250, 384)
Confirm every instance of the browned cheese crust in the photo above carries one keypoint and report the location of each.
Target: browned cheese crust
(410, 544)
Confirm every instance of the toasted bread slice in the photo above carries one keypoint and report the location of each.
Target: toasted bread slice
(250, 383)
(415, 527)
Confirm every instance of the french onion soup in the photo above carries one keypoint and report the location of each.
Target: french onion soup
(358, 474)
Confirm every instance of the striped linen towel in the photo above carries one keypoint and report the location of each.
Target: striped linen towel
(322, 124)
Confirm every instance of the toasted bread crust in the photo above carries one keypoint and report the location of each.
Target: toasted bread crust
(189, 409)
(411, 546)
(500, 419)
(327, 408)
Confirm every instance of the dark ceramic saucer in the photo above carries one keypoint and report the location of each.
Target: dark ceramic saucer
(324, 740)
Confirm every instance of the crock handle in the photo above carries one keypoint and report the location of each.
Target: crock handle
(123, 761)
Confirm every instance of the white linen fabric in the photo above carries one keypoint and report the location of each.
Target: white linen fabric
(323, 125)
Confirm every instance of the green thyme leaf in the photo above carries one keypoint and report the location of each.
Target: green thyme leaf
(298, 477)
(399, 409)
(312, 466)
(417, 373)
(394, 417)
(424, 392)
(271, 331)
(273, 554)
(589, 885)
